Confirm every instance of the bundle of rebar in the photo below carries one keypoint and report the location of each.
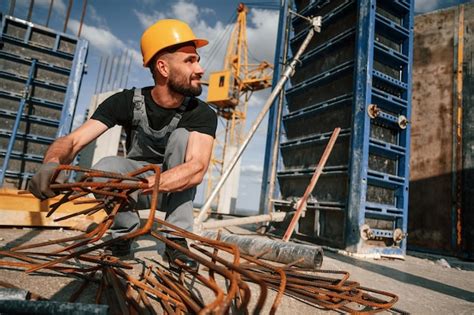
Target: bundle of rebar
(224, 271)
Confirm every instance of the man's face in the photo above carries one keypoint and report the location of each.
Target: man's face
(185, 71)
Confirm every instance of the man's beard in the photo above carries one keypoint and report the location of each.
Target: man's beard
(179, 83)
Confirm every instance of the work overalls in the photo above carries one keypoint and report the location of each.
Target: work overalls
(145, 145)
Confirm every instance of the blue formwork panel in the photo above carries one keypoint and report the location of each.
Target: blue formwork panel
(40, 76)
(355, 74)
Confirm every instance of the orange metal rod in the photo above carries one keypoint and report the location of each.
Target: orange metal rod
(309, 189)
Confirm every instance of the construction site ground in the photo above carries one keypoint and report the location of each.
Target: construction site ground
(425, 284)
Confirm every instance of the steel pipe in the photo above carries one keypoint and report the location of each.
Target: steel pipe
(277, 251)
(316, 23)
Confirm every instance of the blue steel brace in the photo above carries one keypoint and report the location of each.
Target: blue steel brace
(272, 114)
(361, 123)
(404, 169)
(24, 99)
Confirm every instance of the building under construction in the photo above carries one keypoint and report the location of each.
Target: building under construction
(368, 163)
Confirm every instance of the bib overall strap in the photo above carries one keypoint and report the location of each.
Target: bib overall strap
(177, 117)
(139, 111)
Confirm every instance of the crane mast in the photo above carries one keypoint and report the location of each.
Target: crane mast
(229, 91)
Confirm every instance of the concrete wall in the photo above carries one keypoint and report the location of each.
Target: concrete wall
(434, 223)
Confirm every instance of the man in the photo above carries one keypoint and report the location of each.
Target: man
(165, 124)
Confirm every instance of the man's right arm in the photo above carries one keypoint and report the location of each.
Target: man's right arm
(63, 151)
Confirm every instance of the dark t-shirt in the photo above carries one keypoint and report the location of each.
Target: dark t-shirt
(118, 110)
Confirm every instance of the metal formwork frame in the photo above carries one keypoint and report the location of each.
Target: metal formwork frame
(266, 193)
(17, 119)
(59, 63)
(378, 127)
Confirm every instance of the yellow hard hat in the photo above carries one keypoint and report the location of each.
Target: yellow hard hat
(166, 33)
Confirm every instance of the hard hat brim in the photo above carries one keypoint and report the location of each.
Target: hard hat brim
(199, 42)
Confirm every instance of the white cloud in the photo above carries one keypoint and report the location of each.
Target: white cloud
(180, 10)
(100, 38)
(146, 19)
(261, 31)
(94, 16)
(188, 12)
(259, 98)
(58, 5)
(426, 5)
(262, 36)
(104, 41)
(251, 170)
(208, 11)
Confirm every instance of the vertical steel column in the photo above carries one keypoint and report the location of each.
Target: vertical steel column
(273, 113)
(361, 123)
(66, 123)
(24, 99)
(404, 167)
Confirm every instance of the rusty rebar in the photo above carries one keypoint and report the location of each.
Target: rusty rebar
(157, 287)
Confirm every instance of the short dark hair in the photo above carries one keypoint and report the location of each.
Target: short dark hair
(170, 49)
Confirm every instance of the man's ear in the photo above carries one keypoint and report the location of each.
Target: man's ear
(162, 68)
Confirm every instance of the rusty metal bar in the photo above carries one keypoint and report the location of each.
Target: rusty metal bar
(312, 183)
(30, 10)
(11, 10)
(49, 13)
(68, 13)
(84, 7)
(81, 289)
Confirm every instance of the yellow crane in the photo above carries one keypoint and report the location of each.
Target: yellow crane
(229, 91)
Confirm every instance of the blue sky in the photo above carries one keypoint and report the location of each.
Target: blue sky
(115, 26)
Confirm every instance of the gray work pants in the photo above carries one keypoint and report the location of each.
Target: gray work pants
(177, 205)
